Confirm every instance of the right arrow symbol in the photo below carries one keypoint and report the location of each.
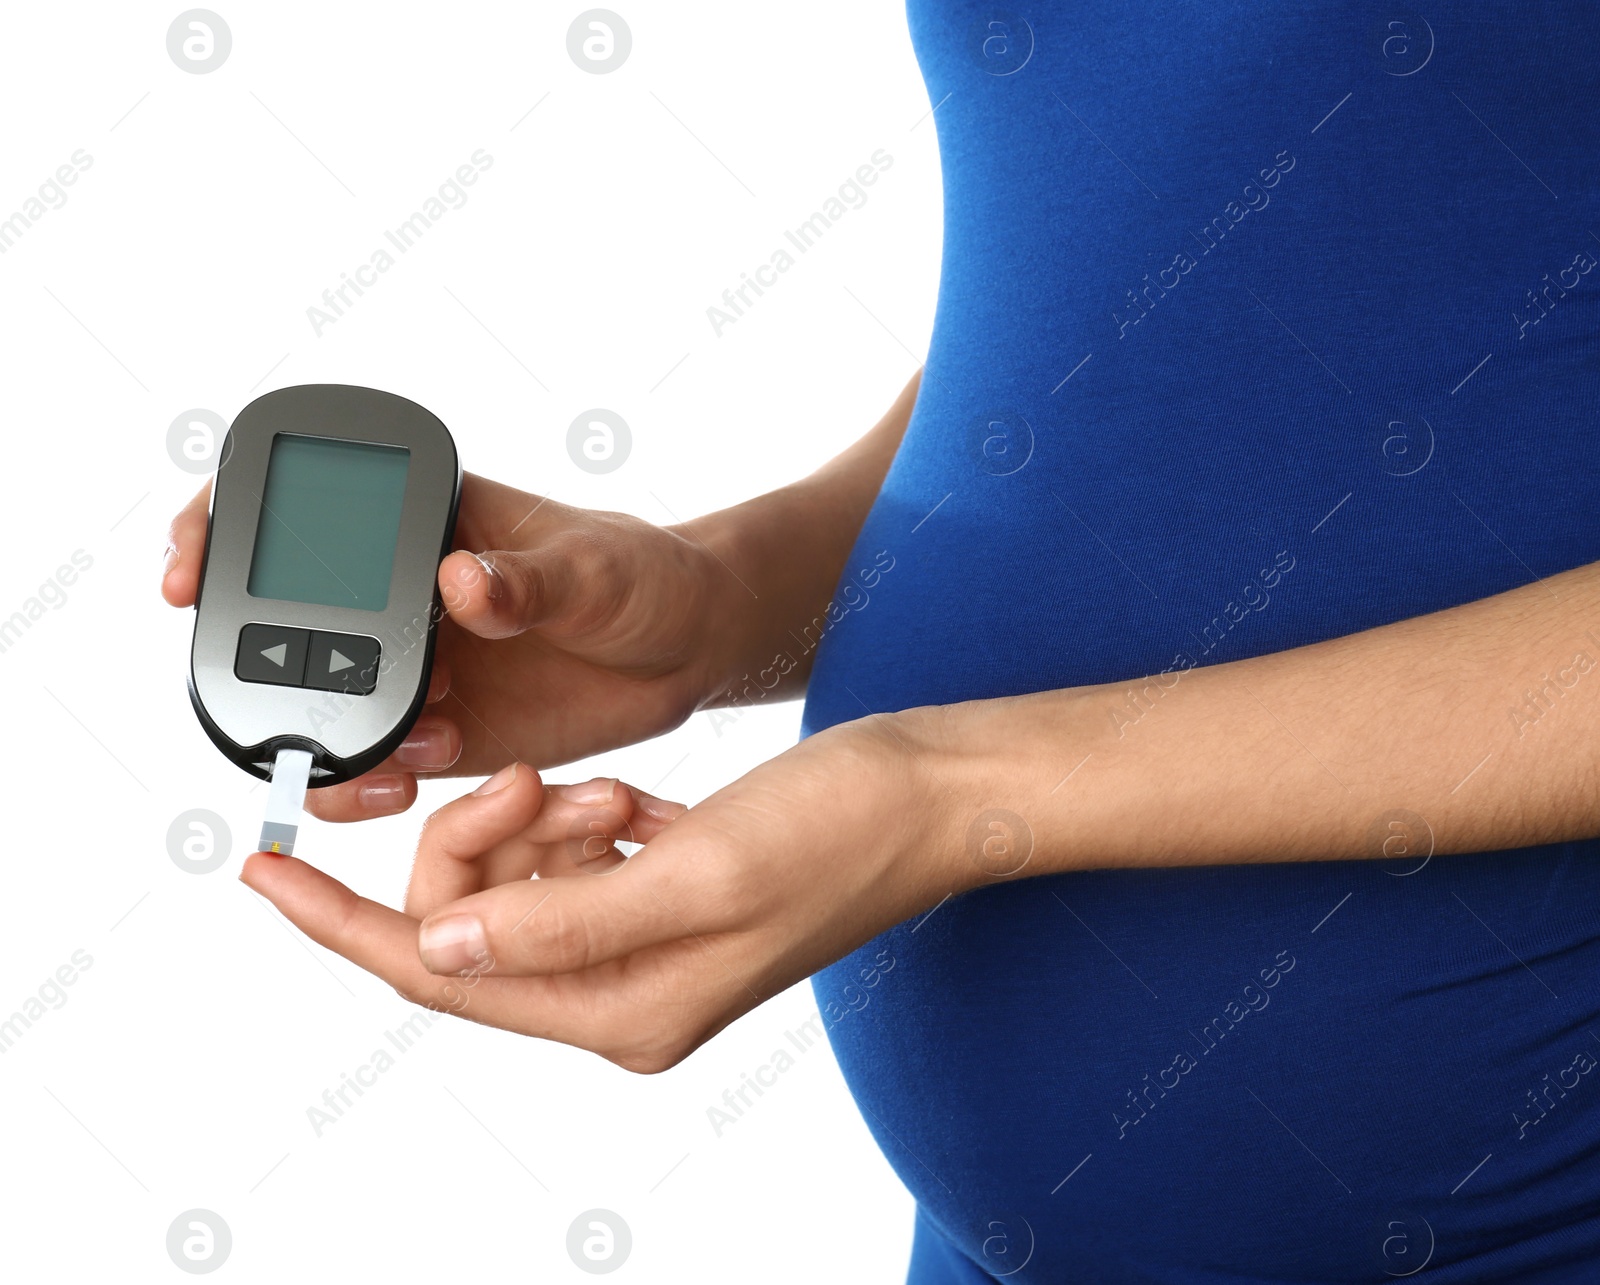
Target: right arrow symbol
(336, 661)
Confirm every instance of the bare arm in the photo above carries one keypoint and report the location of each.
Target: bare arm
(1472, 729)
(778, 592)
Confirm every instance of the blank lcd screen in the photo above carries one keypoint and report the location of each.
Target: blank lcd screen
(329, 522)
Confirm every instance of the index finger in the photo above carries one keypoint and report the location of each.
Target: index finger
(186, 545)
(375, 937)
(601, 1014)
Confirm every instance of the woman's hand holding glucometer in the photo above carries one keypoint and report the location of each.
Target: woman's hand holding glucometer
(570, 631)
(567, 633)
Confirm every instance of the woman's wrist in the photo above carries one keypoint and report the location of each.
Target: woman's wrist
(754, 598)
(999, 777)
(774, 563)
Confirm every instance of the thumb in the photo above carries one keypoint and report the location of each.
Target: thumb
(502, 593)
(536, 927)
(186, 547)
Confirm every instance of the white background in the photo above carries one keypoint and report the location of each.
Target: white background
(177, 275)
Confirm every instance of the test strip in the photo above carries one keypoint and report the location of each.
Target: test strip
(286, 796)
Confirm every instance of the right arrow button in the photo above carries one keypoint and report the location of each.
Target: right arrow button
(343, 663)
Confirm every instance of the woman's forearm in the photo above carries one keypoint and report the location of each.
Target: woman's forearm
(784, 553)
(1472, 729)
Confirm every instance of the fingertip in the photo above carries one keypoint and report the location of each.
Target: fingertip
(601, 807)
(175, 594)
(471, 587)
(520, 788)
(626, 801)
(516, 777)
(601, 791)
(649, 816)
(663, 810)
(467, 827)
(261, 871)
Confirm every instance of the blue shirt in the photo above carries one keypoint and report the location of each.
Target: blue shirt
(1257, 325)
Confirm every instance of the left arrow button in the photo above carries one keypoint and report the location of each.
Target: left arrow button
(272, 654)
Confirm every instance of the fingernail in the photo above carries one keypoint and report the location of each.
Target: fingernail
(382, 794)
(427, 748)
(493, 585)
(452, 944)
(660, 809)
(169, 559)
(599, 790)
(499, 780)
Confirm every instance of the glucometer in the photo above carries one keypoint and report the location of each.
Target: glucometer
(318, 601)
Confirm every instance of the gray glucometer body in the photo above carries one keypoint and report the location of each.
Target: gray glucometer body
(318, 603)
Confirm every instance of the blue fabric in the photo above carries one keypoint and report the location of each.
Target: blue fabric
(1258, 325)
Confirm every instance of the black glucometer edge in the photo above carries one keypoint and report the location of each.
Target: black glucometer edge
(257, 759)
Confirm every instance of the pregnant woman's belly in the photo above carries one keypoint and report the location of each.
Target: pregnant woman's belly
(1258, 325)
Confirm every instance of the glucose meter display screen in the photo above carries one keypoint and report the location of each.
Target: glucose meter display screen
(329, 522)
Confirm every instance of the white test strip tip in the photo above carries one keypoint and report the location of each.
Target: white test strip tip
(286, 796)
